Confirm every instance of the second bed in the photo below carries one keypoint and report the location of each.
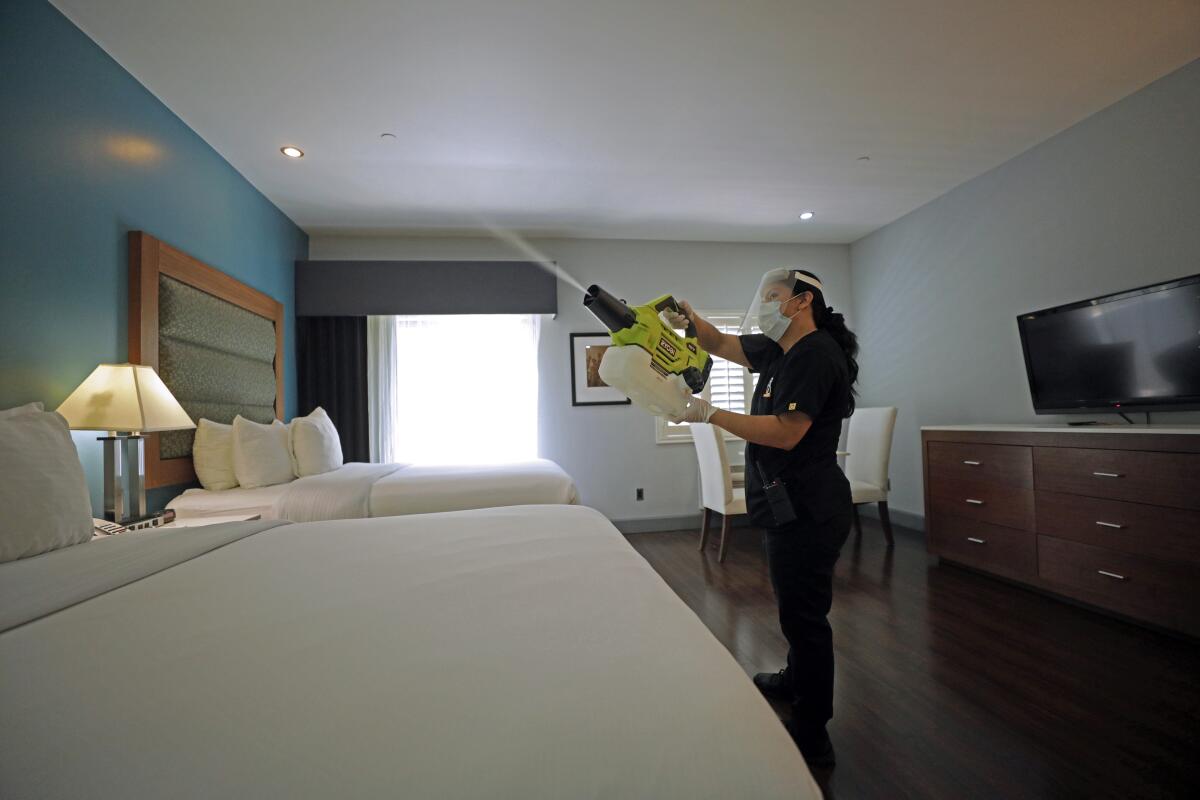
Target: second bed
(356, 491)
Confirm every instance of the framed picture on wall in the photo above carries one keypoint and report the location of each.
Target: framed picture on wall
(587, 388)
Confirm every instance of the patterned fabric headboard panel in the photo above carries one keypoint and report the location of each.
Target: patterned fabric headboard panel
(217, 343)
(216, 358)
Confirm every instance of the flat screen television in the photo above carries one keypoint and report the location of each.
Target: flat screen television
(1137, 350)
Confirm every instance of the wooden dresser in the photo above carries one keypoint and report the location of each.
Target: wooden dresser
(1109, 516)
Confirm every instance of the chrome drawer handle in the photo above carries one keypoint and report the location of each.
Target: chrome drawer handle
(1107, 474)
(1108, 574)
(972, 463)
(1109, 525)
(973, 540)
(974, 502)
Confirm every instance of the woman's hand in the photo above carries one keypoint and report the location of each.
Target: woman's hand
(697, 409)
(722, 345)
(680, 319)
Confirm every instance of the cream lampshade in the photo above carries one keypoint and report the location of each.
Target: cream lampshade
(124, 399)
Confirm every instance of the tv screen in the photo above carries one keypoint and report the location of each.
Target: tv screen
(1133, 350)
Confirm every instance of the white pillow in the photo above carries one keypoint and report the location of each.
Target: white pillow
(260, 453)
(212, 455)
(43, 494)
(315, 445)
(28, 408)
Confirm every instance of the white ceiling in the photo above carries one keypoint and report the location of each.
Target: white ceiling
(673, 119)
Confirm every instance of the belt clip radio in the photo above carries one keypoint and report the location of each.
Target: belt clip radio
(777, 498)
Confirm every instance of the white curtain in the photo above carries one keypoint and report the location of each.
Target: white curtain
(454, 389)
(381, 387)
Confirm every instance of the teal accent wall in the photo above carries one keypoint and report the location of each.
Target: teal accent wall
(87, 154)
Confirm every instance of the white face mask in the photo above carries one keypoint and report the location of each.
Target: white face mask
(771, 320)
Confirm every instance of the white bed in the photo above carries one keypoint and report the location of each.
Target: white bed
(524, 652)
(354, 491)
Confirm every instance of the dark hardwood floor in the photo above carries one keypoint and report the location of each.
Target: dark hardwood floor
(952, 684)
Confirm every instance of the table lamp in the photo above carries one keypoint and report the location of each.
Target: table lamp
(126, 401)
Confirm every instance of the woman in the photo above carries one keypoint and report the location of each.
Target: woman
(805, 359)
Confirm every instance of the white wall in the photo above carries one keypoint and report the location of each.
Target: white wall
(1110, 204)
(610, 450)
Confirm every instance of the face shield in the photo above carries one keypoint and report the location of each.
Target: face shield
(776, 288)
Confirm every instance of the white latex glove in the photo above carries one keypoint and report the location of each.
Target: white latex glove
(698, 410)
(680, 319)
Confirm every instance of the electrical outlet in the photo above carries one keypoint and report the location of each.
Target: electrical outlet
(641, 494)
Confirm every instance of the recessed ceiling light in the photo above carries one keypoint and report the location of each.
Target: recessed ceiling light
(806, 215)
(292, 152)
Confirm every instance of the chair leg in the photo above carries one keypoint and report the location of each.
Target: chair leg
(887, 522)
(857, 521)
(724, 537)
(704, 529)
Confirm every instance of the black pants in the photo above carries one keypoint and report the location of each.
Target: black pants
(801, 557)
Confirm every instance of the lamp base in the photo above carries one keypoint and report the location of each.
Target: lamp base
(124, 459)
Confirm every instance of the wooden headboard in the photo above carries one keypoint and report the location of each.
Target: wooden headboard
(154, 264)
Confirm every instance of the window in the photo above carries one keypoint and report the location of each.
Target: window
(462, 389)
(729, 386)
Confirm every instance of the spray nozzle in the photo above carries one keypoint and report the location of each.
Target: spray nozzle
(615, 315)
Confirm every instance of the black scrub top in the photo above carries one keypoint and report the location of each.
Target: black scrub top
(813, 378)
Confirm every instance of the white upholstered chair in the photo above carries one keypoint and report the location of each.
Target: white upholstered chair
(716, 482)
(869, 441)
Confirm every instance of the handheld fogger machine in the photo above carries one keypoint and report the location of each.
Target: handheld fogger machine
(648, 361)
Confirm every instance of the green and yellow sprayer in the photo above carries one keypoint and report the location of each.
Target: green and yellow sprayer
(649, 361)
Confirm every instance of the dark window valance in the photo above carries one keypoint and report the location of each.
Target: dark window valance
(359, 288)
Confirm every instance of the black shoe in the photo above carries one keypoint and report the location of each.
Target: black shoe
(775, 685)
(814, 745)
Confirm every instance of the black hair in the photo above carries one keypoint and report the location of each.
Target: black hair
(830, 321)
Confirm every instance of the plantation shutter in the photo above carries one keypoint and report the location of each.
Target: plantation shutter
(728, 383)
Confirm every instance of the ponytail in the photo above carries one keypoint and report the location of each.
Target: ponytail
(826, 319)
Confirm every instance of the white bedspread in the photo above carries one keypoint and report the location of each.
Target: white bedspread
(35, 587)
(423, 489)
(354, 491)
(525, 652)
(194, 503)
(344, 493)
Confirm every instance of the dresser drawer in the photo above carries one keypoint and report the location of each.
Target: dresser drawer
(994, 463)
(991, 548)
(1158, 531)
(1164, 479)
(994, 503)
(1158, 591)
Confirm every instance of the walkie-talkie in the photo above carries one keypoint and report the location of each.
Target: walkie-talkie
(777, 498)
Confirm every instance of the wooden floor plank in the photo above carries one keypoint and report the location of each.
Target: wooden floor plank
(953, 684)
